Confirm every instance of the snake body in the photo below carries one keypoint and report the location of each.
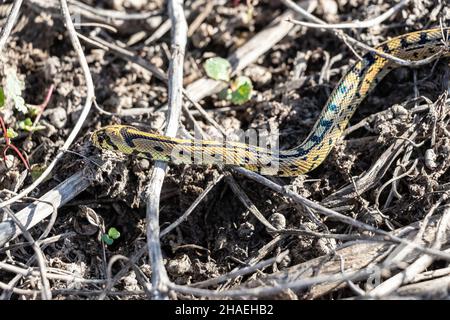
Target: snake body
(342, 103)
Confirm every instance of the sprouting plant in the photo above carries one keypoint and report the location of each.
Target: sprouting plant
(239, 89)
(9, 133)
(27, 125)
(12, 93)
(113, 234)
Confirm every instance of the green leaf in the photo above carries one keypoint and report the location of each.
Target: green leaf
(11, 133)
(113, 233)
(2, 97)
(27, 125)
(13, 90)
(218, 68)
(242, 90)
(106, 239)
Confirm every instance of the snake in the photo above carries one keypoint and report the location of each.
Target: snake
(353, 87)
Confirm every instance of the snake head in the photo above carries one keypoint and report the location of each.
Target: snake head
(99, 137)
(107, 137)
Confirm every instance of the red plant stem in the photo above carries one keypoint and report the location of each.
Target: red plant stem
(43, 105)
(9, 145)
(5, 133)
(47, 97)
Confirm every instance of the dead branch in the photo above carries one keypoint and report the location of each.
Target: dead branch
(179, 32)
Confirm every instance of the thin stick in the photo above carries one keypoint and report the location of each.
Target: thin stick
(203, 14)
(352, 25)
(97, 24)
(183, 217)
(241, 272)
(179, 39)
(245, 200)
(114, 14)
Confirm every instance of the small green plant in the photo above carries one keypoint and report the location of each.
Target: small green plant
(218, 68)
(113, 234)
(10, 133)
(240, 89)
(11, 93)
(27, 125)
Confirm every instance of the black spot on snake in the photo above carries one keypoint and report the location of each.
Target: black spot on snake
(404, 43)
(423, 38)
(369, 59)
(127, 137)
(148, 155)
(104, 137)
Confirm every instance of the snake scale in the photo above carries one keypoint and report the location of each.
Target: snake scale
(362, 77)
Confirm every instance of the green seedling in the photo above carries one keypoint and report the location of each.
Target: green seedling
(113, 234)
(239, 90)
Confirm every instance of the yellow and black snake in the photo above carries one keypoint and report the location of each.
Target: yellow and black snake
(341, 105)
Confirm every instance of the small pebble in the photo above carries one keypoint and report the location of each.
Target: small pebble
(258, 74)
(57, 117)
(278, 220)
(325, 246)
(142, 165)
(179, 266)
(50, 129)
(430, 159)
(141, 104)
(246, 230)
(285, 262)
(126, 102)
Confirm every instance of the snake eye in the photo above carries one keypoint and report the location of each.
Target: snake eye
(98, 139)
